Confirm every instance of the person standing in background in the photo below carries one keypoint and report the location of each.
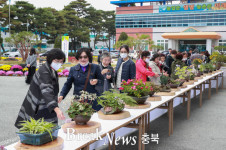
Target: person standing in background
(170, 59)
(98, 59)
(125, 68)
(142, 67)
(31, 65)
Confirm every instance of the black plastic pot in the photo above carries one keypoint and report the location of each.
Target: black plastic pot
(81, 120)
(141, 100)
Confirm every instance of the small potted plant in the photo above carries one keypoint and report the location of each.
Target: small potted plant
(137, 89)
(202, 68)
(196, 62)
(16, 68)
(19, 73)
(2, 73)
(175, 83)
(164, 80)
(37, 132)
(181, 72)
(60, 74)
(114, 102)
(81, 109)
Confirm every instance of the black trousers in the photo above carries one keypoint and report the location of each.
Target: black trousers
(31, 72)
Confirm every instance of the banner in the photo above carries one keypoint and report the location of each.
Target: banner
(65, 46)
(193, 7)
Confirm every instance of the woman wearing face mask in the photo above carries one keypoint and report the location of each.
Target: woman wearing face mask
(84, 76)
(41, 98)
(142, 68)
(125, 68)
(154, 64)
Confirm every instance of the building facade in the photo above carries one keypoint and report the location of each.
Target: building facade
(200, 25)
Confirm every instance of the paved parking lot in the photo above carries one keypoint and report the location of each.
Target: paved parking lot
(12, 94)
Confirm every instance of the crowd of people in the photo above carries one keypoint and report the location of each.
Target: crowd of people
(41, 100)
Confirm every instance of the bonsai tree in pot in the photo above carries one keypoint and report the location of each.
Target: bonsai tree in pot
(164, 80)
(181, 72)
(81, 109)
(114, 102)
(217, 59)
(37, 132)
(137, 89)
(175, 83)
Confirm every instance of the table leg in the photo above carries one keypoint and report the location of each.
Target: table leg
(195, 92)
(200, 99)
(85, 148)
(148, 121)
(188, 104)
(222, 82)
(140, 134)
(184, 99)
(143, 130)
(209, 94)
(170, 116)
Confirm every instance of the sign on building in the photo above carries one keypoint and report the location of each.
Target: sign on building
(193, 7)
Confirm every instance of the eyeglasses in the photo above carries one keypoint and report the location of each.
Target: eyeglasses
(85, 57)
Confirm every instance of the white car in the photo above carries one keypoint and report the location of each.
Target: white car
(13, 53)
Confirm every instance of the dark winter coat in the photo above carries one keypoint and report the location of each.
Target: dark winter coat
(169, 61)
(128, 69)
(175, 64)
(41, 98)
(78, 77)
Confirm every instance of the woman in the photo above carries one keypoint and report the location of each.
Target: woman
(31, 65)
(107, 71)
(169, 61)
(177, 63)
(185, 59)
(162, 63)
(207, 56)
(125, 68)
(84, 76)
(142, 69)
(155, 60)
(41, 98)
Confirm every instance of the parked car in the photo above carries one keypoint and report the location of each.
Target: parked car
(165, 52)
(114, 54)
(13, 53)
(133, 54)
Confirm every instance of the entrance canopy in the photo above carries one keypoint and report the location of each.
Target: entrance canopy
(192, 33)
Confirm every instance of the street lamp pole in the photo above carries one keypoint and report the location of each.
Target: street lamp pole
(9, 24)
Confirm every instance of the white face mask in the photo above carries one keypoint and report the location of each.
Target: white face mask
(56, 66)
(84, 64)
(147, 60)
(184, 59)
(123, 55)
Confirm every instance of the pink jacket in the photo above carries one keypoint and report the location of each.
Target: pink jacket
(142, 72)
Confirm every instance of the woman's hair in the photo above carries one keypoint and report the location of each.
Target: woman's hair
(87, 51)
(155, 56)
(55, 54)
(124, 46)
(32, 51)
(145, 54)
(162, 55)
(179, 56)
(173, 52)
(104, 55)
(207, 54)
(189, 54)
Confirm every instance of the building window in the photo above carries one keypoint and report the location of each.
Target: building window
(222, 43)
(163, 43)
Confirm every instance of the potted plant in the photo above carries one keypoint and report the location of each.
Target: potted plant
(60, 74)
(114, 102)
(37, 132)
(191, 73)
(181, 72)
(175, 83)
(218, 59)
(137, 89)
(164, 80)
(202, 68)
(81, 109)
(153, 88)
(196, 62)
(16, 68)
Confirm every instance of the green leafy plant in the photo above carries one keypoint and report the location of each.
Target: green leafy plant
(39, 126)
(115, 101)
(181, 72)
(202, 67)
(82, 105)
(164, 80)
(137, 88)
(172, 81)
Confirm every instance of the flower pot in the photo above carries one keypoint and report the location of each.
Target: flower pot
(38, 139)
(165, 88)
(109, 110)
(140, 100)
(151, 93)
(81, 120)
(174, 85)
(218, 66)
